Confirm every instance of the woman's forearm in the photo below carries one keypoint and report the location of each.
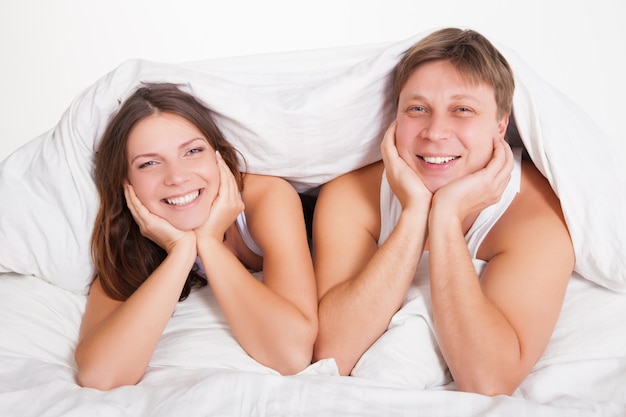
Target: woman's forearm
(117, 350)
(269, 327)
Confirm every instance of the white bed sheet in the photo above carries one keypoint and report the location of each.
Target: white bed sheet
(582, 373)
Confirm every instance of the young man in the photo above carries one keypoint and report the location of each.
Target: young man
(449, 186)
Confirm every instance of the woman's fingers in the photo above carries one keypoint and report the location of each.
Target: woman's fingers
(150, 225)
(228, 190)
(135, 206)
(226, 206)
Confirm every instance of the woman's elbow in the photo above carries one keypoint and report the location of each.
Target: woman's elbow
(294, 364)
(101, 378)
(300, 355)
(88, 379)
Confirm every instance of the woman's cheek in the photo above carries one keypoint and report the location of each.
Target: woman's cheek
(212, 189)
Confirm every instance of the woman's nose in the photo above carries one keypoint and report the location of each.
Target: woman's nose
(176, 174)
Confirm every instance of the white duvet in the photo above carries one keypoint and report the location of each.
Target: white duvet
(308, 116)
(198, 370)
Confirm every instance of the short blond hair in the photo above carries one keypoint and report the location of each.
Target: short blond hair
(471, 54)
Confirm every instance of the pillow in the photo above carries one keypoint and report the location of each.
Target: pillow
(408, 354)
(583, 349)
(198, 336)
(309, 117)
(42, 321)
(38, 320)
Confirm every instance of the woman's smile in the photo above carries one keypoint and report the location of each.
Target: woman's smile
(183, 200)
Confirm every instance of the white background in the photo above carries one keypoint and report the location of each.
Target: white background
(52, 49)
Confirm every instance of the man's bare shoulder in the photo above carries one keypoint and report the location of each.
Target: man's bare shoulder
(535, 190)
(533, 220)
(351, 202)
(366, 178)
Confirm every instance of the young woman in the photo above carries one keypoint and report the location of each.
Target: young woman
(175, 212)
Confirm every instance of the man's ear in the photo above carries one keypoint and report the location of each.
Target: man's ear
(502, 125)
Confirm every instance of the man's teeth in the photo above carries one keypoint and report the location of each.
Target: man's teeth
(181, 201)
(438, 159)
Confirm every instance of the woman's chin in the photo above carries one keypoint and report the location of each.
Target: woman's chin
(186, 218)
(186, 224)
(433, 187)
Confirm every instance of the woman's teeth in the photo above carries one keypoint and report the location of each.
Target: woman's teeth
(438, 160)
(181, 201)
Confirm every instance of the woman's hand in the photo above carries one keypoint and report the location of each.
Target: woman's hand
(474, 192)
(155, 228)
(226, 207)
(404, 182)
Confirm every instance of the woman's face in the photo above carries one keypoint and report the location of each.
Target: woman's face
(446, 125)
(173, 169)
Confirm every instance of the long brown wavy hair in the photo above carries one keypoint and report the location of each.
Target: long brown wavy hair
(123, 257)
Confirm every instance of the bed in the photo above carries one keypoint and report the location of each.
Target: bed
(308, 116)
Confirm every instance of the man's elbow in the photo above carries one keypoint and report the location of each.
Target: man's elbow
(323, 350)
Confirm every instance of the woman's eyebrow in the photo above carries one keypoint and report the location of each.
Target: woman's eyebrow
(182, 145)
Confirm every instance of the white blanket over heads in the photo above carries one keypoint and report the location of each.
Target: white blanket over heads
(309, 117)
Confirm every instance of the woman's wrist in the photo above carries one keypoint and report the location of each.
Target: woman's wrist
(184, 248)
(209, 244)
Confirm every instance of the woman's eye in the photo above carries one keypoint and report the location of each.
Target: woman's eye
(195, 150)
(146, 164)
(463, 109)
(417, 108)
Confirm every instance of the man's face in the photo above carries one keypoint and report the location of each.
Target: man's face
(446, 124)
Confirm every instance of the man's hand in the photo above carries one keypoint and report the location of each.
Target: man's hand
(474, 192)
(404, 182)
